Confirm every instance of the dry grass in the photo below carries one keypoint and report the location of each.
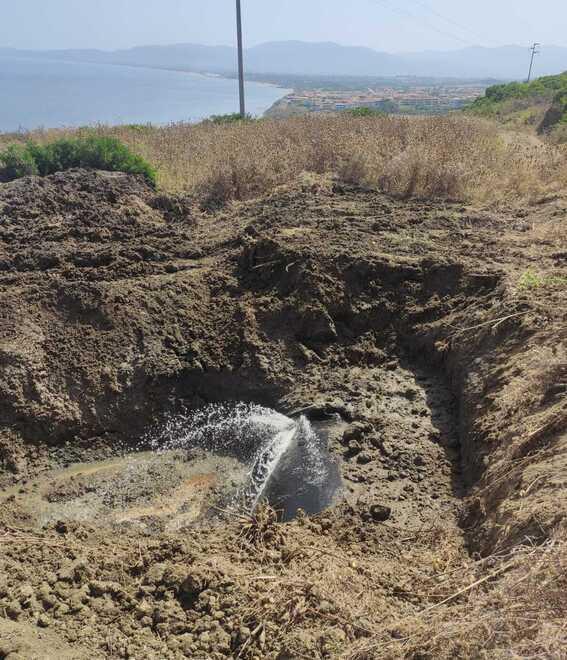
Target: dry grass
(511, 604)
(454, 157)
(260, 529)
(516, 607)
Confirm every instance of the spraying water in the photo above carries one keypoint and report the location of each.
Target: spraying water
(268, 457)
(217, 457)
(287, 461)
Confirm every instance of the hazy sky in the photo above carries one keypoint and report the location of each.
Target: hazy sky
(390, 25)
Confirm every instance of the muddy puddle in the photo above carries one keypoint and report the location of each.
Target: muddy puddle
(160, 492)
(307, 477)
(216, 460)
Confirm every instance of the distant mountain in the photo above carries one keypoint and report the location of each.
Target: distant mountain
(325, 59)
(187, 57)
(330, 59)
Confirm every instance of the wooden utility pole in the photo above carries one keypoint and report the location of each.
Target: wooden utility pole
(535, 52)
(240, 59)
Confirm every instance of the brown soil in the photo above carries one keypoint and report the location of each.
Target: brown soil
(412, 320)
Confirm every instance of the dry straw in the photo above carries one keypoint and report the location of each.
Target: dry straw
(454, 157)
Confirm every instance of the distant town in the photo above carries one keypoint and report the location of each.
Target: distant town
(419, 99)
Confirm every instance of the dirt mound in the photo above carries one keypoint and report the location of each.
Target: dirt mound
(434, 331)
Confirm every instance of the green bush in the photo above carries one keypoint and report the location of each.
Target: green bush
(364, 111)
(101, 153)
(496, 96)
(560, 102)
(16, 162)
(231, 118)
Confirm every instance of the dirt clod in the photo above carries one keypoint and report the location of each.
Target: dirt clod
(380, 513)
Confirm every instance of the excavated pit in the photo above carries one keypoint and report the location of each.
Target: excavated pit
(394, 328)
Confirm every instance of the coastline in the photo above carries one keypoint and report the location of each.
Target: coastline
(158, 95)
(203, 74)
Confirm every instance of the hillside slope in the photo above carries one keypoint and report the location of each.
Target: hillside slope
(541, 104)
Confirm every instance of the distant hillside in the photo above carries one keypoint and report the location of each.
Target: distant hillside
(302, 58)
(297, 57)
(188, 57)
(541, 104)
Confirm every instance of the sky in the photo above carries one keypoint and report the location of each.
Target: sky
(386, 25)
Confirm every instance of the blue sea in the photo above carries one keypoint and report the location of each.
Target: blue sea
(49, 94)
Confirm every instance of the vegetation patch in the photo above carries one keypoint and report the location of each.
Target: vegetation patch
(546, 87)
(556, 117)
(532, 280)
(519, 102)
(230, 118)
(364, 111)
(453, 157)
(96, 152)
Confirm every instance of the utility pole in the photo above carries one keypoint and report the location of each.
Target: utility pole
(535, 52)
(240, 59)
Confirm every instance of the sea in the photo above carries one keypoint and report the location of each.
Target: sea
(38, 93)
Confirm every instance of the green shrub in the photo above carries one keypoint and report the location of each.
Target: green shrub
(496, 96)
(231, 118)
(101, 153)
(560, 102)
(364, 111)
(16, 162)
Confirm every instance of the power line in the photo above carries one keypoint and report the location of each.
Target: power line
(407, 14)
(451, 21)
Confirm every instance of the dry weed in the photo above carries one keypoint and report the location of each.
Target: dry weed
(260, 530)
(516, 607)
(454, 157)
